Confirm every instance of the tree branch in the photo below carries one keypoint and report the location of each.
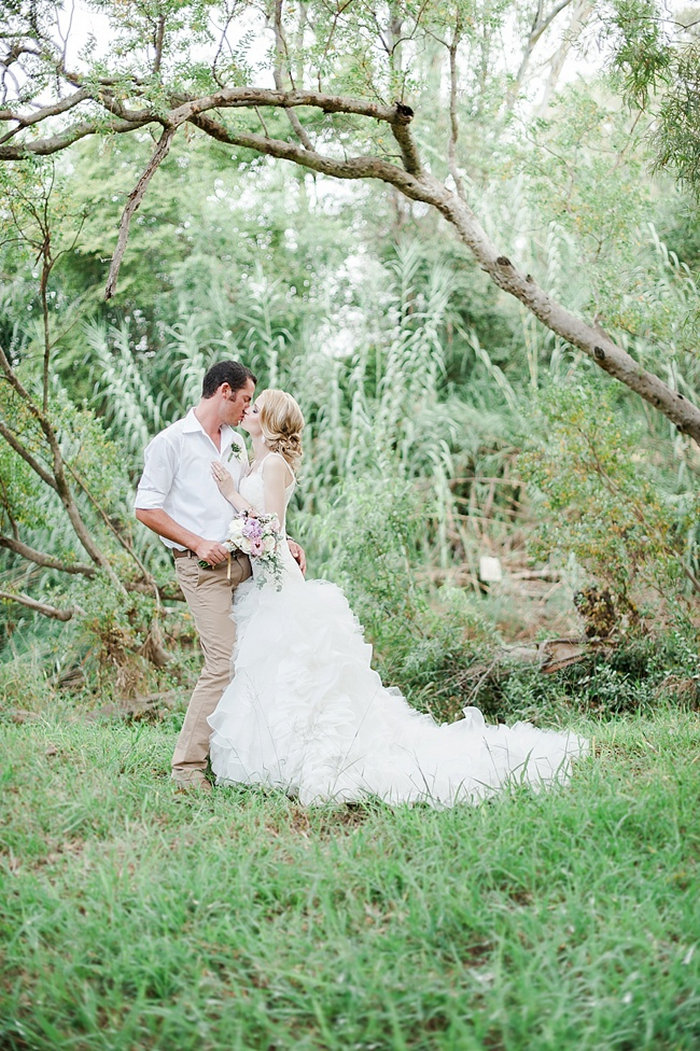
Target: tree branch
(402, 134)
(47, 263)
(149, 580)
(147, 586)
(544, 23)
(13, 442)
(45, 561)
(158, 42)
(280, 51)
(189, 110)
(410, 179)
(599, 347)
(58, 480)
(454, 123)
(62, 106)
(38, 607)
(540, 23)
(134, 200)
(58, 142)
(596, 344)
(186, 107)
(362, 167)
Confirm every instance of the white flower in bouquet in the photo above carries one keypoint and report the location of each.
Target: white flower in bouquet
(259, 537)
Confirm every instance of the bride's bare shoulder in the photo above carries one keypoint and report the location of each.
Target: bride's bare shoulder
(276, 468)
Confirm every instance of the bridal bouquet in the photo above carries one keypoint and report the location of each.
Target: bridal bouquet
(259, 537)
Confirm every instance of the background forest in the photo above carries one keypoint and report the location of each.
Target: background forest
(445, 423)
(465, 235)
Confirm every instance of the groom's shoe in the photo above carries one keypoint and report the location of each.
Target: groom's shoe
(195, 782)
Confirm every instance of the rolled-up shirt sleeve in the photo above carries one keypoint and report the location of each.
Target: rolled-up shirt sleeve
(158, 474)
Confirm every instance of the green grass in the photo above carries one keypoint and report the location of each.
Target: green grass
(134, 918)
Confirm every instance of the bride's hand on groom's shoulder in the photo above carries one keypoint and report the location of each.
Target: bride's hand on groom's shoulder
(297, 554)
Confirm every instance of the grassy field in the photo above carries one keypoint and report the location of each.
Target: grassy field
(134, 918)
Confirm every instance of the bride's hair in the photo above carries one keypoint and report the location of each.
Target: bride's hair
(282, 422)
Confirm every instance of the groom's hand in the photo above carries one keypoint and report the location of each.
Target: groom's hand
(211, 552)
(297, 554)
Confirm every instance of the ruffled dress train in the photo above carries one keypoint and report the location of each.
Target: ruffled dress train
(305, 712)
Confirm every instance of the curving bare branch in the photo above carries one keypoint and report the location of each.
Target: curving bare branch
(61, 140)
(185, 108)
(541, 21)
(38, 607)
(148, 580)
(158, 43)
(14, 443)
(39, 558)
(62, 106)
(454, 121)
(134, 200)
(280, 55)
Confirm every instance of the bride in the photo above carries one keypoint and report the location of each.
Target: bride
(305, 712)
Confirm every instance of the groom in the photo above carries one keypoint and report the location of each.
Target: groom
(178, 499)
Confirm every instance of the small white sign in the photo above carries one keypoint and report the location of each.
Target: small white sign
(490, 569)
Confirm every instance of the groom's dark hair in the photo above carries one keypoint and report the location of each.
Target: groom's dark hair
(231, 372)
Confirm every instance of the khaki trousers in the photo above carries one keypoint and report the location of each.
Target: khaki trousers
(209, 595)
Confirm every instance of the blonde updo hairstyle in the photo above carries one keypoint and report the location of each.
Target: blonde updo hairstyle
(282, 422)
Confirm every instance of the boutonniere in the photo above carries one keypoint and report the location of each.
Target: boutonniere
(235, 452)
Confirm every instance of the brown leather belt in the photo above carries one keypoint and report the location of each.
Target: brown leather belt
(177, 553)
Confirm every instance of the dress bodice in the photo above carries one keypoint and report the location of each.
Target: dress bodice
(252, 488)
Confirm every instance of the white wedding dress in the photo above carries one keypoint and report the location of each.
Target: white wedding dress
(306, 713)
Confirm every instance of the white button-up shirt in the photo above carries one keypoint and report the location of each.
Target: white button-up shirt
(177, 476)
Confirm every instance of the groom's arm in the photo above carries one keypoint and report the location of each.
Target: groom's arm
(160, 466)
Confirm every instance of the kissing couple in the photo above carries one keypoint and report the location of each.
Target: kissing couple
(287, 697)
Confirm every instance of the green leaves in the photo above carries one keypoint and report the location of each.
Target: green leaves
(677, 138)
(656, 60)
(642, 41)
(601, 501)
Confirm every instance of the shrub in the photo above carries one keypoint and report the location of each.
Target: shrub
(599, 499)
